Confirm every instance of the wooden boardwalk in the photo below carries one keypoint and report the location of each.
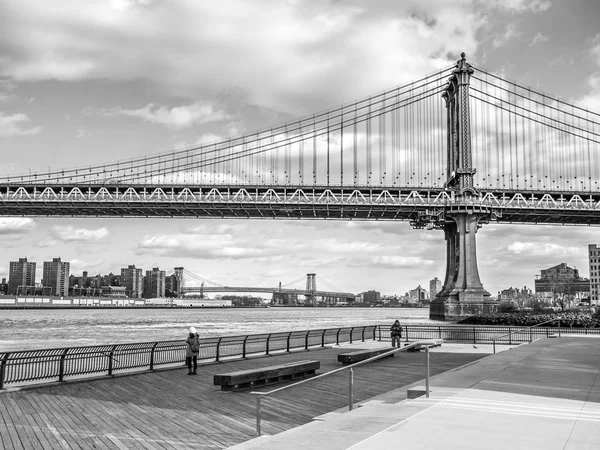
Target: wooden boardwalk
(170, 410)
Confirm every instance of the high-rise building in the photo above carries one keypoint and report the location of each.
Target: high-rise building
(154, 286)
(56, 276)
(21, 273)
(594, 258)
(371, 297)
(435, 286)
(132, 281)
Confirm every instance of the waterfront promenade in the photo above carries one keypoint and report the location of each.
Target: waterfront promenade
(544, 395)
(167, 409)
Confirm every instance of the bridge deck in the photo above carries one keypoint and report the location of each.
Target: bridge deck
(170, 410)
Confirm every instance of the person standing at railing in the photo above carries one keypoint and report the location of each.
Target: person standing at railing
(193, 349)
(396, 334)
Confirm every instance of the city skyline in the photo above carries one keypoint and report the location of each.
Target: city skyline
(86, 94)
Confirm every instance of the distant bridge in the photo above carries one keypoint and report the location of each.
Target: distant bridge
(268, 290)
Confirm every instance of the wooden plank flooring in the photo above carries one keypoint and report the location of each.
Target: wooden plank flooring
(171, 410)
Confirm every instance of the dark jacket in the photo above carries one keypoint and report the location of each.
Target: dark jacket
(396, 330)
(190, 340)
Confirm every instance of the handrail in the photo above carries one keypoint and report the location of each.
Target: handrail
(528, 328)
(425, 343)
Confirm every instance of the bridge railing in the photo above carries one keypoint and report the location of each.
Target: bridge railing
(30, 366)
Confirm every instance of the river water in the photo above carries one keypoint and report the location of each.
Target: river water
(42, 329)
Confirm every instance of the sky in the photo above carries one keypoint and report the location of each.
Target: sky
(89, 81)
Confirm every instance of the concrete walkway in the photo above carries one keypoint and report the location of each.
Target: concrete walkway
(543, 395)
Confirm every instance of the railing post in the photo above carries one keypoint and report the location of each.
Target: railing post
(267, 347)
(323, 339)
(379, 328)
(110, 361)
(558, 327)
(509, 337)
(337, 337)
(61, 368)
(218, 353)
(439, 332)
(258, 414)
(494, 345)
(363, 334)
(530, 335)
(350, 389)
(351, 333)
(244, 347)
(288, 342)
(474, 336)
(406, 327)
(306, 340)
(374, 328)
(427, 371)
(152, 356)
(3, 369)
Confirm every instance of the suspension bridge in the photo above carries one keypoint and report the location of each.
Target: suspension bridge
(452, 151)
(310, 293)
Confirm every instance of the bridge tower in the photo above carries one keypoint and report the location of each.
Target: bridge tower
(311, 289)
(462, 293)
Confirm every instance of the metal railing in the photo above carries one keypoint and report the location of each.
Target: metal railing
(71, 363)
(510, 333)
(483, 334)
(426, 344)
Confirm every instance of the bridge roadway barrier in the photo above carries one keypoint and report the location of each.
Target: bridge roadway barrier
(62, 364)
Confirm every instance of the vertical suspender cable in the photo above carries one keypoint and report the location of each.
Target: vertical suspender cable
(342, 149)
(368, 142)
(328, 149)
(355, 146)
(314, 152)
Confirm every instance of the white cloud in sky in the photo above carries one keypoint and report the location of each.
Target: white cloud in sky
(292, 55)
(16, 125)
(510, 32)
(540, 249)
(68, 233)
(520, 6)
(175, 117)
(16, 225)
(538, 39)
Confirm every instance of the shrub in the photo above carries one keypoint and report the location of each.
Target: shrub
(506, 307)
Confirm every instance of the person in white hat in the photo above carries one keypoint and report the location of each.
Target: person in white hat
(192, 351)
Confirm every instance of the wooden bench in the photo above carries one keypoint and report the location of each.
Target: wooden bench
(361, 355)
(260, 376)
(432, 343)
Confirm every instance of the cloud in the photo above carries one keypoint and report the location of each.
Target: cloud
(400, 262)
(510, 32)
(542, 249)
(538, 39)
(13, 125)
(80, 265)
(294, 56)
(70, 234)
(520, 6)
(176, 117)
(592, 99)
(16, 225)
